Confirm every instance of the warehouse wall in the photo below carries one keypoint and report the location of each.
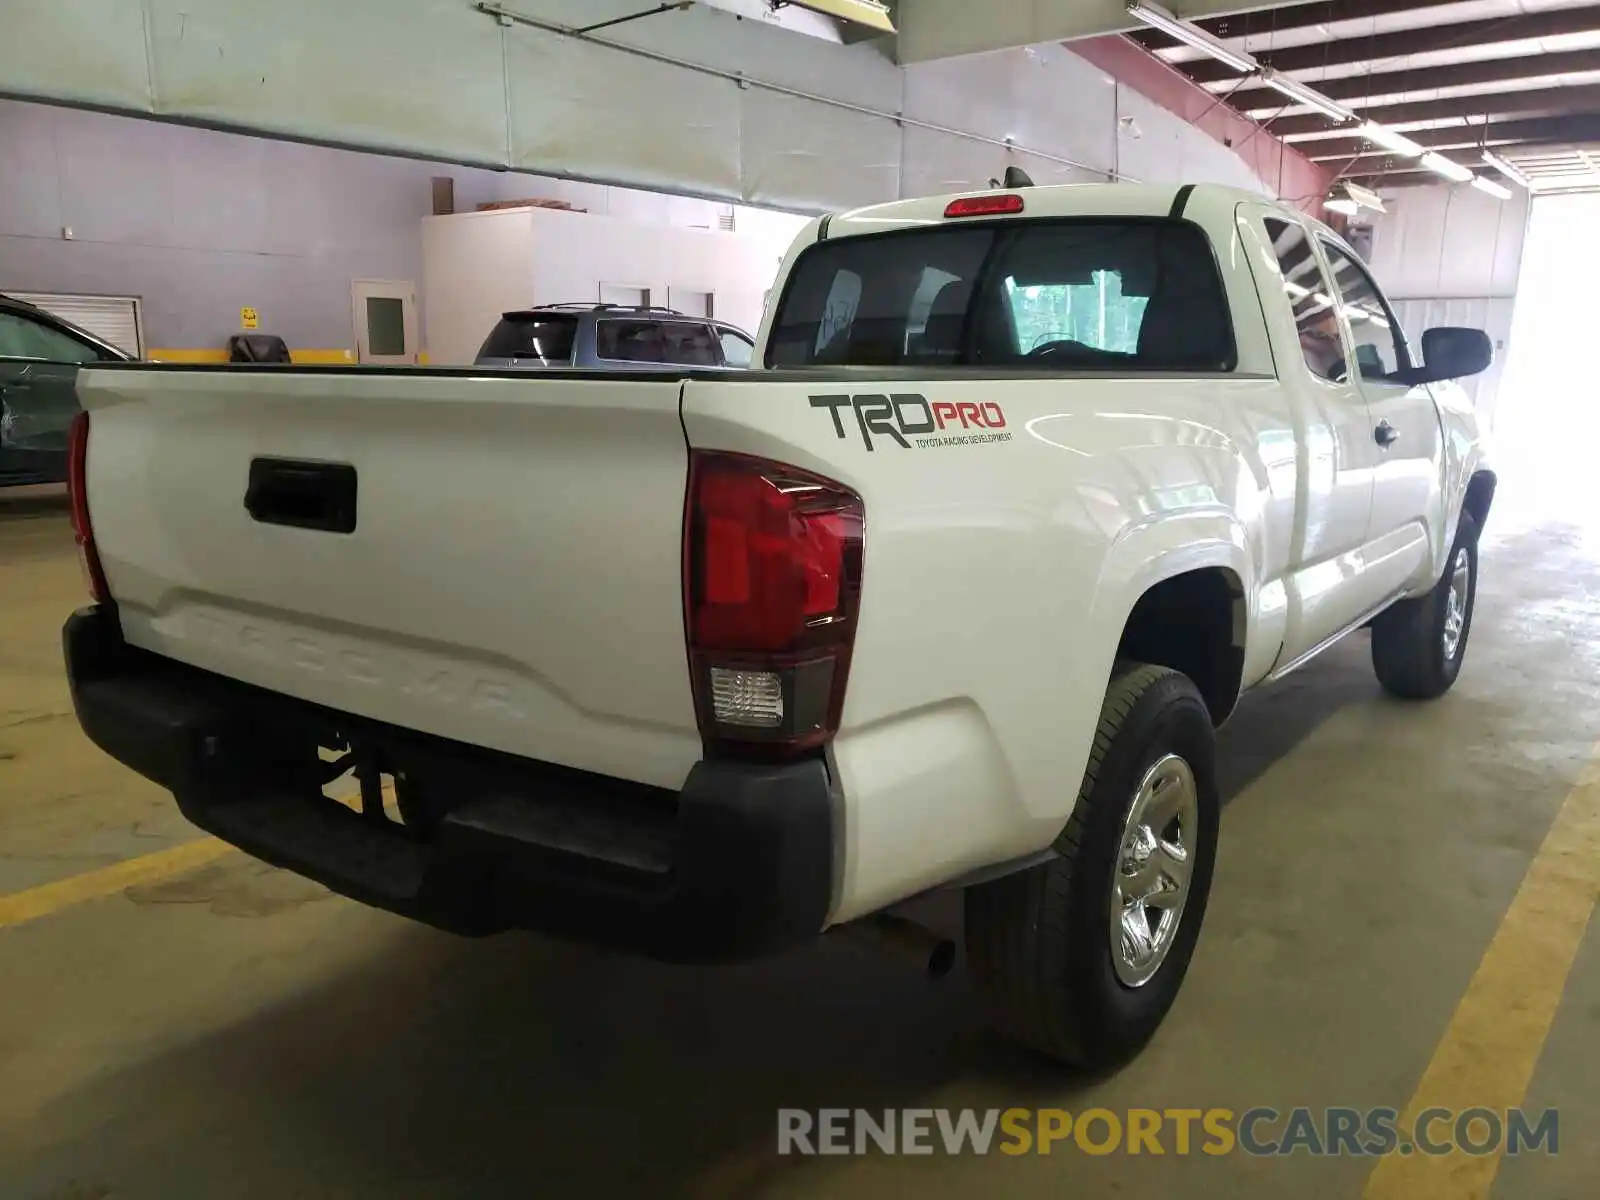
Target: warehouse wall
(744, 111)
(1451, 256)
(199, 223)
(479, 265)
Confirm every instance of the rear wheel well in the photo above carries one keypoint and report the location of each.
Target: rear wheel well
(1193, 623)
(1480, 495)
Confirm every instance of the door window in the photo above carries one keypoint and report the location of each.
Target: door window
(386, 321)
(113, 319)
(1379, 345)
(22, 337)
(386, 326)
(1310, 296)
(736, 348)
(681, 343)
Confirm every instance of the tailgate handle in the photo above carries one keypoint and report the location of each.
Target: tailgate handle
(302, 495)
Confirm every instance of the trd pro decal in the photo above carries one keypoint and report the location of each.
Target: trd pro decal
(908, 419)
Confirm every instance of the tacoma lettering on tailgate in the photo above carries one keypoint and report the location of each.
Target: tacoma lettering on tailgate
(420, 677)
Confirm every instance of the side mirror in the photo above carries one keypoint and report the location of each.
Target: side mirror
(1450, 352)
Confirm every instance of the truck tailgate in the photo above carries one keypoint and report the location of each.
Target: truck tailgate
(513, 575)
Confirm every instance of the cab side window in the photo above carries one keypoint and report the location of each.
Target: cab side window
(1306, 286)
(1379, 344)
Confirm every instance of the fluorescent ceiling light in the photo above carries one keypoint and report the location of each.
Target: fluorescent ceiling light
(1507, 169)
(1498, 190)
(1440, 165)
(1382, 135)
(1351, 198)
(1301, 94)
(1175, 27)
(1365, 197)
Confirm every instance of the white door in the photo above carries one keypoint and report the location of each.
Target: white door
(626, 295)
(386, 321)
(1340, 453)
(1328, 586)
(691, 302)
(1410, 448)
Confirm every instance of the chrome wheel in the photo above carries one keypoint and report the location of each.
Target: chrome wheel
(1455, 604)
(1150, 882)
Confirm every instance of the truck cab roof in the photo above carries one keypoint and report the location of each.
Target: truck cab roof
(1055, 200)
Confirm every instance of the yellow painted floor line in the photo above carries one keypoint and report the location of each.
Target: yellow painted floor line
(1489, 1051)
(108, 881)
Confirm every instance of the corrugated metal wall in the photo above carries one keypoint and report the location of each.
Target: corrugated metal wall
(1451, 256)
(439, 79)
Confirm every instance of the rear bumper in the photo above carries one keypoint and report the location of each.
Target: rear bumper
(737, 864)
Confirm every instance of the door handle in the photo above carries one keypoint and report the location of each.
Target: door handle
(1385, 434)
(302, 495)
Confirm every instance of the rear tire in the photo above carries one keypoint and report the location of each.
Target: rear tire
(1046, 947)
(1418, 645)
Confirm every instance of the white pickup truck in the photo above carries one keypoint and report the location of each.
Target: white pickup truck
(952, 593)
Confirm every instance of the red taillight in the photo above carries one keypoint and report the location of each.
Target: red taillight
(772, 583)
(984, 206)
(78, 494)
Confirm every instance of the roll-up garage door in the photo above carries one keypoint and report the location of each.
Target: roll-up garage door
(112, 318)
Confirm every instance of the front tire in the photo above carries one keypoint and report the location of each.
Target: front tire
(1418, 644)
(1080, 958)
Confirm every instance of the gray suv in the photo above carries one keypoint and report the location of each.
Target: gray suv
(613, 335)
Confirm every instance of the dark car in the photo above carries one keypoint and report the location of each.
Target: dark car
(613, 335)
(40, 356)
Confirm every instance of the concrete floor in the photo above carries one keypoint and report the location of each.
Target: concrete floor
(230, 1031)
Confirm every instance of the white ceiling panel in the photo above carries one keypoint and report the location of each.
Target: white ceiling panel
(812, 157)
(584, 110)
(78, 51)
(429, 83)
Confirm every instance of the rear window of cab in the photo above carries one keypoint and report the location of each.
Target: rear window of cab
(1068, 295)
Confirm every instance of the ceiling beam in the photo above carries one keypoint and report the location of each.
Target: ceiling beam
(1383, 163)
(1578, 127)
(936, 29)
(1540, 102)
(1404, 42)
(1293, 16)
(1356, 88)
(1544, 182)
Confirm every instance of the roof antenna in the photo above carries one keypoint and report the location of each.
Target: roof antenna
(1016, 177)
